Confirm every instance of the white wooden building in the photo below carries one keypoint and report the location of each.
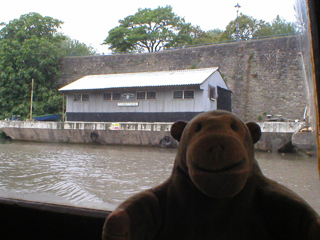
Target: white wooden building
(164, 96)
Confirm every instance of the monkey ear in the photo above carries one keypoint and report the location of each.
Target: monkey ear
(177, 129)
(255, 131)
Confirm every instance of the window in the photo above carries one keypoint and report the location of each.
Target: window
(127, 96)
(141, 95)
(188, 94)
(151, 95)
(85, 97)
(77, 97)
(146, 95)
(116, 96)
(81, 97)
(107, 96)
(212, 93)
(183, 94)
(177, 94)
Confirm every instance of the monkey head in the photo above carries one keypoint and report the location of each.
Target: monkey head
(216, 150)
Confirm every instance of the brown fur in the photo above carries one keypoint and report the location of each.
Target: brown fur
(216, 191)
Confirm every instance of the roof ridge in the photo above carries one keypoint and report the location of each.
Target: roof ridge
(142, 79)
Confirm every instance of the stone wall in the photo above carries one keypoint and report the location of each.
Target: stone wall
(265, 75)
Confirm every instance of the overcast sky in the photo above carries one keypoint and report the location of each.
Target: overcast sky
(90, 21)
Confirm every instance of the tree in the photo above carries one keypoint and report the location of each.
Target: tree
(76, 48)
(211, 36)
(149, 30)
(281, 26)
(278, 26)
(31, 25)
(247, 27)
(30, 48)
(215, 33)
(250, 27)
(264, 31)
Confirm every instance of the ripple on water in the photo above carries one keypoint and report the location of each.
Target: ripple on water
(103, 176)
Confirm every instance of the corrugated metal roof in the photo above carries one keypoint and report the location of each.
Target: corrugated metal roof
(144, 79)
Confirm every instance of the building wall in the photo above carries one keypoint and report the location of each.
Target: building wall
(265, 76)
(164, 102)
(214, 81)
(97, 109)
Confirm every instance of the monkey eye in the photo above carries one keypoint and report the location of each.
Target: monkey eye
(198, 127)
(234, 127)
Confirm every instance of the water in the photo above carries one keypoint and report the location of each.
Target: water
(101, 177)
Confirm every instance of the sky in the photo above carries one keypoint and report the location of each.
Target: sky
(90, 21)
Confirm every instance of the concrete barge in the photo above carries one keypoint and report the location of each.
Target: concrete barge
(129, 133)
(275, 135)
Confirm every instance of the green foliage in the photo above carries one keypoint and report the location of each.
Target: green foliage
(281, 26)
(193, 66)
(150, 30)
(215, 34)
(278, 26)
(250, 28)
(32, 25)
(76, 48)
(211, 36)
(154, 30)
(247, 27)
(30, 48)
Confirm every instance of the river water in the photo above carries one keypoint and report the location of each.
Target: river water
(101, 177)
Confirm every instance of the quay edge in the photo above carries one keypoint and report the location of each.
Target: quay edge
(128, 133)
(275, 135)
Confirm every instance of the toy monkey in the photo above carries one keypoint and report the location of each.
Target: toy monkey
(216, 192)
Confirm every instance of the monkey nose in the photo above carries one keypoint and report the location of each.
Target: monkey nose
(217, 148)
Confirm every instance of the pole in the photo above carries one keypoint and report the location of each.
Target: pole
(63, 113)
(31, 99)
(237, 23)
